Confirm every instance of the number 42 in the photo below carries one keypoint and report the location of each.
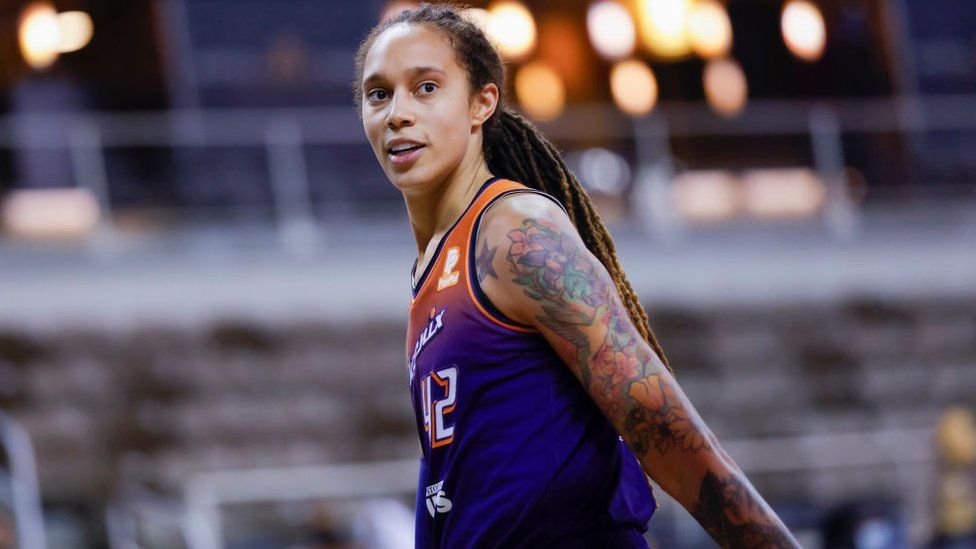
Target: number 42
(436, 409)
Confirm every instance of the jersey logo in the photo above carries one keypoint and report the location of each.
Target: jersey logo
(438, 393)
(437, 501)
(450, 276)
(434, 326)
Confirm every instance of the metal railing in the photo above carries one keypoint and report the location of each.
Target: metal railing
(285, 134)
(908, 451)
(26, 496)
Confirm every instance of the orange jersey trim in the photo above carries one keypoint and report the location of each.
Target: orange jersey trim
(487, 314)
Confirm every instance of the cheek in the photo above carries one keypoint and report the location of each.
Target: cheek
(373, 126)
(453, 130)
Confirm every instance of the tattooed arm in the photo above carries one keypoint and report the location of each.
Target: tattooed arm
(534, 267)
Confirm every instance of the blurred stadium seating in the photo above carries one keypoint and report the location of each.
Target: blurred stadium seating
(203, 272)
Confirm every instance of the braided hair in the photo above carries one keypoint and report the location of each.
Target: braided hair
(513, 147)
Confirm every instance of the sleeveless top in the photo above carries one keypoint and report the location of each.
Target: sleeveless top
(515, 452)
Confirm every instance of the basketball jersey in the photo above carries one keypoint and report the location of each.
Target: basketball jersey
(514, 451)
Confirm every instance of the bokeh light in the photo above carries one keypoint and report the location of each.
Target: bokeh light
(663, 26)
(76, 30)
(726, 88)
(603, 170)
(779, 193)
(705, 195)
(634, 87)
(804, 30)
(50, 213)
(479, 16)
(512, 27)
(710, 29)
(39, 35)
(611, 29)
(540, 91)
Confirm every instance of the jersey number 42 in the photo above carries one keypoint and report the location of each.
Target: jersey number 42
(439, 392)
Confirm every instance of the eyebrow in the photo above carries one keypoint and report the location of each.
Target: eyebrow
(414, 71)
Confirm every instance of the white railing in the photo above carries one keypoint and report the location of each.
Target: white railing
(26, 497)
(909, 451)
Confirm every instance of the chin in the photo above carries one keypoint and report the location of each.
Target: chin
(407, 182)
(412, 181)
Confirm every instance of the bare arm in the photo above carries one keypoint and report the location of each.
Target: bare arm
(536, 269)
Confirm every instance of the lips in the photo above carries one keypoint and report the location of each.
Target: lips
(401, 145)
(403, 149)
(403, 152)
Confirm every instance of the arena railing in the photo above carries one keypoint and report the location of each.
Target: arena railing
(26, 499)
(285, 134)
(909, 451)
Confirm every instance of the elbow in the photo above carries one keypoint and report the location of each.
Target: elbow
(679, 468)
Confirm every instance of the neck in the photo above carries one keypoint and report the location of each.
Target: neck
(432, 213)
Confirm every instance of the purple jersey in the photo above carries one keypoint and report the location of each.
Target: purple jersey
(515, 452)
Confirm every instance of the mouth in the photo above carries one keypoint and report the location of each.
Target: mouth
(404, 155)
(403, 149)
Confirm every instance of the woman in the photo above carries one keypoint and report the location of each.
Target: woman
(528, 351)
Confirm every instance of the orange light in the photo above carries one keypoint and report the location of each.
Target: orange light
(511, 26)
(726, 88)
(76, 30)
(634, 87)
(39, 35)
(478, 16)
(710, 29)
(663, 25)
(804, 30)
(540, 91)
(611, 29)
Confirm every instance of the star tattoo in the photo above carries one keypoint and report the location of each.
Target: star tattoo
(484, 262)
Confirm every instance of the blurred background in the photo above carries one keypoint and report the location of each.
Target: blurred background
(204, 273)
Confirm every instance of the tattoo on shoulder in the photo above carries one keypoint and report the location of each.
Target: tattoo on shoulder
(555, 273)
(575, 294)
(484, 262)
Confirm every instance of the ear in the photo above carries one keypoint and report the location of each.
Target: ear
(483, 105)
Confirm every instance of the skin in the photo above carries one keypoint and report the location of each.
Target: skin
(434, 107)
(545, 277)
(533, 265)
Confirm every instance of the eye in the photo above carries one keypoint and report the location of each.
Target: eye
(427, 88)
(376, 94)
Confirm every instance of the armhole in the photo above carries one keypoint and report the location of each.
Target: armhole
(474, 285)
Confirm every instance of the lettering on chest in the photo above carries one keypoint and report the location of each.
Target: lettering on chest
(434, 326)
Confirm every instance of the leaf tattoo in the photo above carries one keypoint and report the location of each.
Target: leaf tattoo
(575, 294)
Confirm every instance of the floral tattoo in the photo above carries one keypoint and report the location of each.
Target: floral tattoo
(574, 294)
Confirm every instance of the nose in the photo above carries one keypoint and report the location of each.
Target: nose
(400, 114)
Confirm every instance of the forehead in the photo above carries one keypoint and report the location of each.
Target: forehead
(404, 46)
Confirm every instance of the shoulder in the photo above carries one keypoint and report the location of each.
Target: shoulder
(518, 223)
(518, 209)
(521, 236)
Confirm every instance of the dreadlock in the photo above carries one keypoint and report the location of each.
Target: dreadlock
(514, 148)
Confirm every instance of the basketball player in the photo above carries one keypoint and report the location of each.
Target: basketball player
(528, 351)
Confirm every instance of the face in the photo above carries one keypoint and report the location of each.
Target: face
(417, 107)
